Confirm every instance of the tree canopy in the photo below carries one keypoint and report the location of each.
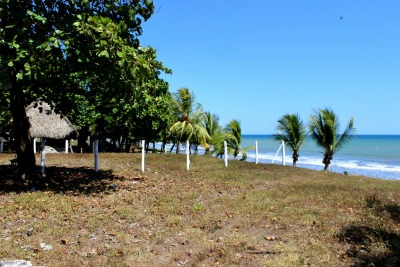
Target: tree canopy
(324, 129)
(292, 131)
(83, 56)
(189, 120)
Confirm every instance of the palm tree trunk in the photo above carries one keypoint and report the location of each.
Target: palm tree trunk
(326, 161)
(172, 148)
(295, 157)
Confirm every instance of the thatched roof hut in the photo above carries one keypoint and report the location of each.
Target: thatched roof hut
(46, 123)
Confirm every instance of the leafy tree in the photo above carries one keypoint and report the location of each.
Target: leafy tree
(189, 125)
(324, 129)
(59, 50)
(5, 115)
(292, 131)
(142, 113)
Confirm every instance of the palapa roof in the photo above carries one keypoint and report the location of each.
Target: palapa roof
(46, 123)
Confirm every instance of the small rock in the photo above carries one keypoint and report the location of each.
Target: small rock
(15, 263)
(45, 246)
(29, 232)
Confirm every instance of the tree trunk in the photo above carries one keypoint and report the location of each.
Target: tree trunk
(295, 157)
(82, 138)
(326, 166)
(326, 161)
(172, 148)
(22, 138)
(177, 146)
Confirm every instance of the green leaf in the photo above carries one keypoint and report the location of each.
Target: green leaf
(21, 54)
(15, 45)
(10, 64)
(20, 76)
(104, 53)
(36, 16)
(120, 54)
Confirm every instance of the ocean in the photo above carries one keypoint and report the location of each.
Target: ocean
(375, 156)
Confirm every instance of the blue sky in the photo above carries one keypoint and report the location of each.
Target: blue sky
(257, 60)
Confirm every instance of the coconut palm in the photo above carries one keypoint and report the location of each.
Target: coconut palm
(233, 138)
(324, 129)
(211, 125)
(188, 126)
(200, 135)
(292, 131)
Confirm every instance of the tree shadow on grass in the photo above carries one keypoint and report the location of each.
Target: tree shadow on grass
(371, 246)
(71, 181)
(374, 245)
(383, 209)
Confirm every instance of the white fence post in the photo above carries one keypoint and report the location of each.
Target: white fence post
(143, 152)
(256, 152)
(1, 144)
(66, 146)
(43, 156)
(96, 154)
(283, 152)
(34, 145)
(187, 155)
(226, 153)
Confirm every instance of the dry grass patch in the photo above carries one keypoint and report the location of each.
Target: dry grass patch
(243, 215)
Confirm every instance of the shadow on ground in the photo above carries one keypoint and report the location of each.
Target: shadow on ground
(374, 245)
(73, 181)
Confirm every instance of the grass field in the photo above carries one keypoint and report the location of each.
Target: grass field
(243, 215)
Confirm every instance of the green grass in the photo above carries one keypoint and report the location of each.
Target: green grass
(243, 215)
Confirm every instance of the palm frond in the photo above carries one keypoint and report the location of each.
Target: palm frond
(347, 135)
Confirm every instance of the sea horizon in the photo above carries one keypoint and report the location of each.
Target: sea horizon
(372, 155)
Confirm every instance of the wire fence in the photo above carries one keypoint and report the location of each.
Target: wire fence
(64, 146)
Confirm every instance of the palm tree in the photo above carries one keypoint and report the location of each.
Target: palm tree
(233, 137)
(293, 132)
(200, 135)
(324, 128)
(188, 125)
(211, 125)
